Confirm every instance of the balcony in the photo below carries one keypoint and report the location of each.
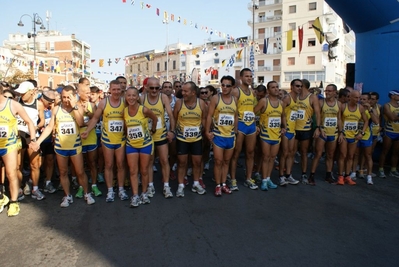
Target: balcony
(265, 3)
(268, 35)
(267, 19)
(350, 48)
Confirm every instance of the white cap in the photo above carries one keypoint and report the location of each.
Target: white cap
(25, 87)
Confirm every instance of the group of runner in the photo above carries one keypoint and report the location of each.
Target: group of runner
(178, 123)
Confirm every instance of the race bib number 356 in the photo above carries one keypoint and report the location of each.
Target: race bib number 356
(115, 126)
(330, 122)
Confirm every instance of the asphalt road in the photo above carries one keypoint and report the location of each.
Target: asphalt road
(322, 225)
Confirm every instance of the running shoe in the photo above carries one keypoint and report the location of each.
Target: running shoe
(13, 209)
(180, 191)
(340, 180)
(151, 191)
(38, 195)
(311, 180)
(218, 191)
(233, 185)
(291, 180)
(369, 180)
(75, 184)
(21, 195)
(134, 201)
(27, 189)
(330, 179)
(201, 182)
(144, 199)
(283, 181)
(270, 184)
(381, 174)
(349, 181)
(3, 202)
(96, 191)
(166, 192)
(100, 178)
(304, 179)
(174, 168)
(186, 183)
(257, 178)
(89, 199)
(122, 195)
(250, 184)
(49, 188)
(263, 185)
(394, 174)
(110, 196)
(154, 168)
(189, 171)
(80, 192)
(66, 201)
(198, 189)
(353, 176)
(226, 189)
(172, 175)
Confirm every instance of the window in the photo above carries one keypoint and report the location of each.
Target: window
(51, 45)
(292, 9)
(310, 24)
(146, 66)
(261, 17)
(313, 6)
(131, 68)
(311, 42)
(291, 61)
(158, 66)
(261, 79)
(289, 76)
(138, 67)
(293, 43)
(276, 78)
(174, 64)
(261, 63)
(216, 61)
(311, 60)
(183, 64)
(292, 26)
(42, 46)
(197, 63)
(166, 65)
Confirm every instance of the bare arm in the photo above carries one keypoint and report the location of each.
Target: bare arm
(260, 107)
(46, 132)
(149, 114)
(93, 121)
(168, 109)
(204, 115)
(40, 108)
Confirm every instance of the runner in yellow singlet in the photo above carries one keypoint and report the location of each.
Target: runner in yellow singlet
(351, 114)
(222, 114)
(9, 110)
(112, 137)
(272, 123)
(66, 120)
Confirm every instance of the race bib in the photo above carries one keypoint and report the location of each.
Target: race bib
(350, 126)
(248, 116)
(3, 131)
(191, 132)
(330, 122)
(293, 115)
(225, 119)
(159, 124)
(300, 114)
(86, 119)
(135, 132)
(274, 122)
(67, 128)
(115, 126)
(21, 122)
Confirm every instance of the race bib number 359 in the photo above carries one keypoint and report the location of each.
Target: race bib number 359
(350, 126)
(115, 126)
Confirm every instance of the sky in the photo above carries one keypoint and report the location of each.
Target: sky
(115, 29)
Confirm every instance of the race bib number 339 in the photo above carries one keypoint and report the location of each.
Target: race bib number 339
(191, 132)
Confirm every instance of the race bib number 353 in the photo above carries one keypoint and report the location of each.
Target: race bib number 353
(115, 126)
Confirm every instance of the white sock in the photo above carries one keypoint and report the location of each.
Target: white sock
(110, 189)
(47, 182)
(196, 183)
(121, 189)
(35, 188)
(93, 185)
(181, 185)
(150, 184)
(165, 184)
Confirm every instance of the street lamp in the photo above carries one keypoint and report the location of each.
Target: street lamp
(36, 20)
(166, 21)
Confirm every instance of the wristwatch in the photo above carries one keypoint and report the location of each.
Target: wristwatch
(76, 107)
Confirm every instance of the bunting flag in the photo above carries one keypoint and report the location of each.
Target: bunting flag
(172, 17)
(93, 60)
(223, 62)
(231, 61)
(279, 46)
(178, 19)
(204, 50)
(185, 22)
(165, 15)
(194, 52)
(148, 5)
(239, 54)
(289, 39)
(149, 57)
(132, 2)
(300, 38)
(265, 45)
(123, 1)
(142, 5)
(117, 60)
(157, 11)
(318, 29)
(101, 63)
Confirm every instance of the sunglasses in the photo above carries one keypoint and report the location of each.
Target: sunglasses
(153, 87)
(203, 93)
(167, 87)
(178, 86)
(9, 97)
(48, 99)
(226, 85)
(297, 85)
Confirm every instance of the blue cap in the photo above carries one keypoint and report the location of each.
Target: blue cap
(59, 90)
(393, 92)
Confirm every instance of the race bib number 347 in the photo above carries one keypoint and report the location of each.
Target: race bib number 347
(115, 126)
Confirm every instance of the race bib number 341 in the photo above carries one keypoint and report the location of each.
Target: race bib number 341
(115, 126)
(67, 128)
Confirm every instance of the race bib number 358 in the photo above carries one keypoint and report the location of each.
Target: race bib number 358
(135, 132)
(115, 126)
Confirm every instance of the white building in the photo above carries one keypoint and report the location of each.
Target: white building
(272, 19)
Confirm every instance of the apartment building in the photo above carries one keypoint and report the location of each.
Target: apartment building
(271, 22)
(70, 55)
